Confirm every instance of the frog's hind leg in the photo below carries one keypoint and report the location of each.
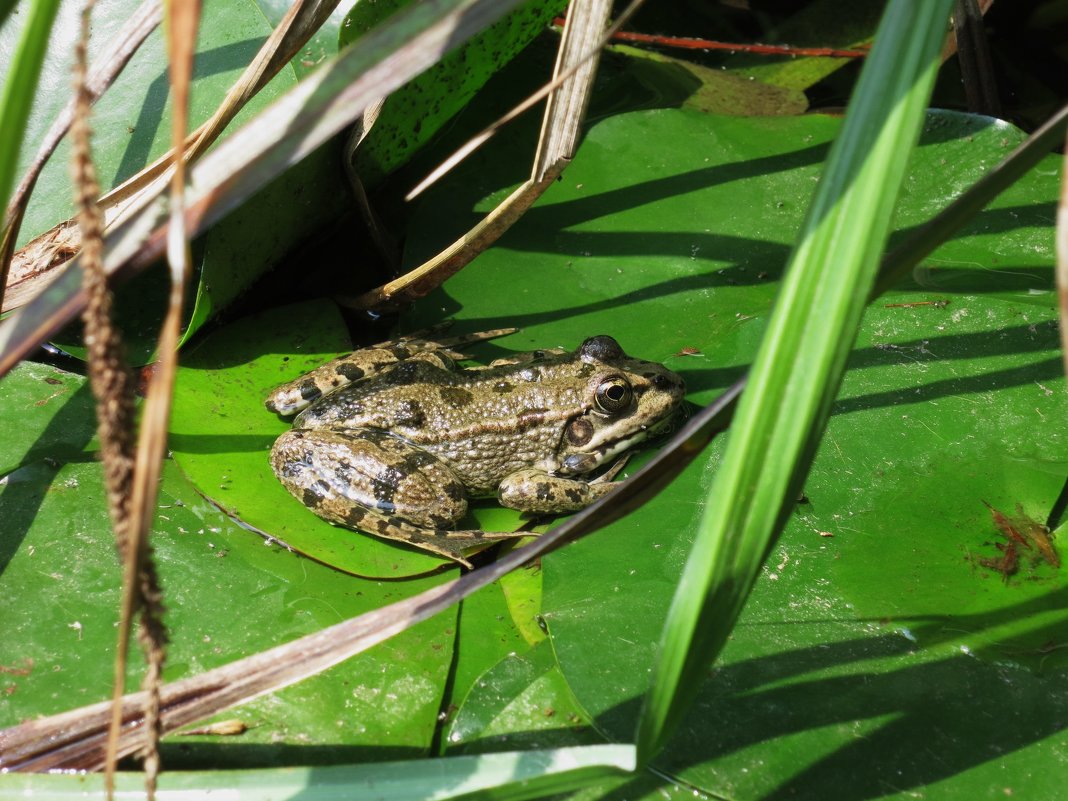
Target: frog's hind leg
(372, 481)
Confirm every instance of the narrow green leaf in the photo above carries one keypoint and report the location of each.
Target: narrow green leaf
(801, 360)
(508, 776)
(19, 87)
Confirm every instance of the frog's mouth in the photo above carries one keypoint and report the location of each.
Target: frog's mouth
(579, 463)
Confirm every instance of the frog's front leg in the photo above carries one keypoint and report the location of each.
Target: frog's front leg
(379, 484)
(536, 491)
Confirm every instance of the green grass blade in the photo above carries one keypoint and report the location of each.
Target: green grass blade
(800, 363)
(21, 83)
(507, 776)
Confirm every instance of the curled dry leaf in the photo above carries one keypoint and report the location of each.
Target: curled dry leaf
(34, 267)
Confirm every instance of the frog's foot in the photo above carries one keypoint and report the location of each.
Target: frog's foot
(297, 395)
(536, 491)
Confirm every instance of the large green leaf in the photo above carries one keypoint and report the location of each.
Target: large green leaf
(680, 250)
(944, 407)
(227, 596)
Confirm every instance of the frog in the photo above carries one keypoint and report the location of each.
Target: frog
(395, 439)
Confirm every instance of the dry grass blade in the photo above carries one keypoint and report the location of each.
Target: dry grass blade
(36, 265)
(292, 128)
(380, 236)
(141, 587)
(433, 273)
(126, 42)
(949, 49)
(294, 30)
(580, 47)
(584, 36)
(299, 24)
(489, 131)
(109, 375)
(75, 739)
(974, 57)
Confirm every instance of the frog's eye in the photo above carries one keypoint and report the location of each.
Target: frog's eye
(613, 394)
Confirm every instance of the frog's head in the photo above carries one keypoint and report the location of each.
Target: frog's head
(625, 401)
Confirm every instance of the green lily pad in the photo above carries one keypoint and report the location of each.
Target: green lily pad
(521, 702)
(228, 595)
(883, 659)
(877, 655)
(221, 434)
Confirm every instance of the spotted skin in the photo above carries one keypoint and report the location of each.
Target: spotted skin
(398, 450)
(538, 493)
(296, 395)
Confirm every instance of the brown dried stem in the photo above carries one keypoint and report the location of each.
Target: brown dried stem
(109, 375)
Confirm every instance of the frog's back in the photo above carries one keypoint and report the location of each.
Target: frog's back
(485, 424)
